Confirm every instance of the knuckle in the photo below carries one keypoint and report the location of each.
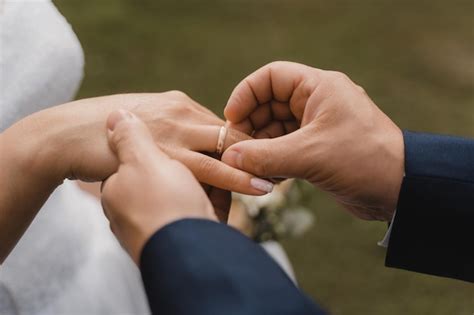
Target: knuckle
(277, 65)
(361, 89)
(233, 181)
(336, 79)
(261, 165)
(179, 95)
(207, 165)
(179, 108)
(261, 168)
(339, 76)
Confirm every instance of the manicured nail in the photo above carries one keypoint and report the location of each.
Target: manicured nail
(235, 158)
(118, 116)
(261, 185)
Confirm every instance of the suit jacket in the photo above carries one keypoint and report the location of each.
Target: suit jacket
(433, 229)
(202, 267)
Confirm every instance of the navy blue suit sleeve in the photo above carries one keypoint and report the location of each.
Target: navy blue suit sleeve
(202, 267)
(433, 230)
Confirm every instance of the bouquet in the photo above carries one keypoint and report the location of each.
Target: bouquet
(274, 216)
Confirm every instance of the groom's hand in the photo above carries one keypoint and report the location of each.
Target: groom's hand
(149, 190)
(320, 126)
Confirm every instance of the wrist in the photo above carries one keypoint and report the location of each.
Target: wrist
(135, 235)
(395, 171)
(33, 151)
(23, 178)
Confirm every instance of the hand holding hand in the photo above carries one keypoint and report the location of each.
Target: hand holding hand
(320, 126)
(69, 141)
(149, 190)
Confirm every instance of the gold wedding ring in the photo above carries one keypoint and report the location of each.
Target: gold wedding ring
(221, 140)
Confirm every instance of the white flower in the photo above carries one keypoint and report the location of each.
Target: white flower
(279, 219)
(297, 221)
(272, 201)
(254, 204)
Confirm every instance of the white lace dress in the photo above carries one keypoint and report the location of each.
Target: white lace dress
(68, 262)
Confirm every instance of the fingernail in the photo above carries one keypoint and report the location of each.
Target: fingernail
(118, 116)
(261, 184)
(234, 158)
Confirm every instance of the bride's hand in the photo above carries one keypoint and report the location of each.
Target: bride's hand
(69, 140)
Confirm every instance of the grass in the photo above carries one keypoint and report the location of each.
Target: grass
(415, 58)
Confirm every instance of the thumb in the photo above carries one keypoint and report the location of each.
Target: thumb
(130, 138)
(277, 157)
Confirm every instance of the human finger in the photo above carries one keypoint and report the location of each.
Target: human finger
(276, 81)
(206, 138)
(267, 158)
(215, 173)
(131, 139)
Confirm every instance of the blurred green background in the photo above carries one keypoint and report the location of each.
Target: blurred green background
(415, 59)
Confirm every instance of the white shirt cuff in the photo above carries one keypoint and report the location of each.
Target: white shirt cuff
(386, 239)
